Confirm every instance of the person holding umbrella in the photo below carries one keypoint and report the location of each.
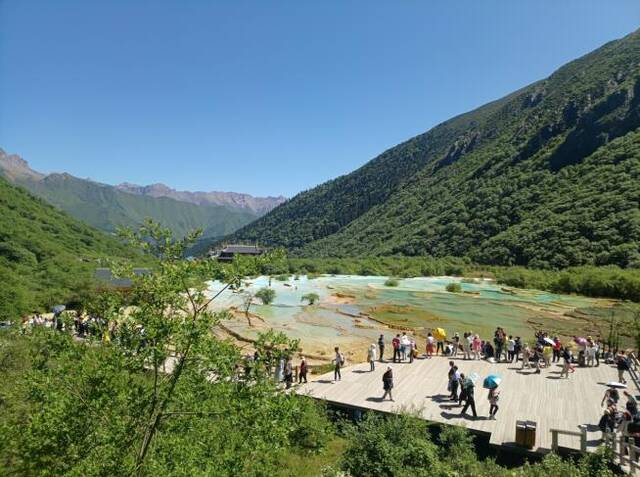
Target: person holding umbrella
(491, 383)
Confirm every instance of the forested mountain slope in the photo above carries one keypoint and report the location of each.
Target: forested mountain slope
(45, 256)
(547, 176)
(107, 207)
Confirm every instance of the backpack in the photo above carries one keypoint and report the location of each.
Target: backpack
(341, 359)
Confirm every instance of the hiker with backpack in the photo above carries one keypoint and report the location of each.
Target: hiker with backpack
(339, 363)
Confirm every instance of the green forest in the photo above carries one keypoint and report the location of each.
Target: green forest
(547, 177)
(46, 257)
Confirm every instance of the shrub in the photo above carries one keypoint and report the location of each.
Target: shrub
(266, 295)
(454, 287)
(310, 297)
(391, 282)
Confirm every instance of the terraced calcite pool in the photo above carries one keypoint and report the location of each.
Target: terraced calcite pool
(354, 310)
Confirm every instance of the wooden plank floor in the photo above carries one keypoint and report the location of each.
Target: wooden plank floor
(547, 399)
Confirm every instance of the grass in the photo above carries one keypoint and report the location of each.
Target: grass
(295, 463)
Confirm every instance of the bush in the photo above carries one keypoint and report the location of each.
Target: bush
(391, 282)
(310, 297)
(454, 287)
(266, 295)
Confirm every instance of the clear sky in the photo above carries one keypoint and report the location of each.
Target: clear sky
(265, 97)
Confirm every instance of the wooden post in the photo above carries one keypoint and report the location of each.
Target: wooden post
(583, 438)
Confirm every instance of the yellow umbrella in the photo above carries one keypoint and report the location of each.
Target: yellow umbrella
(439, 334)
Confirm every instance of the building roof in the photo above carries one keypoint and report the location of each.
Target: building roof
(249, 249)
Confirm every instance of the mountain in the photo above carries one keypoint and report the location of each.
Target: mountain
(548, 176)
(107, 207)
(259, 205)
(45, 255)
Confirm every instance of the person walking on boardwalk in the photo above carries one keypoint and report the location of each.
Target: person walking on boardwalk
(338, 362)
(430, 345)
(454, 381)
(622, 363)
(387, 383)
(302, 374)
(468, 387)
(566, 356)
(476, 346)
(463, 394)
(288, 373)
(396, 348)
(371, 357)
(381, 346)
(493, 402)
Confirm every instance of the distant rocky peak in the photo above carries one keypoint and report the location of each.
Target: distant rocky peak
(259, 205)
(14, 167)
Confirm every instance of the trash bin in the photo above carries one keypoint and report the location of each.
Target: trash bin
(521, 433)
(530, 441)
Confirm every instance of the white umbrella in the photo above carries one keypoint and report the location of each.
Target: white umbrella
(615, 384)
(549, 341)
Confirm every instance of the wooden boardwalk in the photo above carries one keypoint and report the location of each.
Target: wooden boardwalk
(552, 402)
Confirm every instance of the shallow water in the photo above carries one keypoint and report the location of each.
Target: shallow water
(342, 317)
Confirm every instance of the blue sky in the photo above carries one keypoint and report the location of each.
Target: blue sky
(265, 97)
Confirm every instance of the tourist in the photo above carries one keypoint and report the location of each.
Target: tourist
(566, 356)
(440, 346)
(396, 348)
(517, 349)
(498, 340)
(547, 353)
(476, 346)
(632, 404)
(463, 395)
(456, 344)
(288, 373)
(387, 383)
(557, 347)
(371, 357)
(405, 344)
(537, 357)
(302, 375)
(466, 347)
(511, 348)
(487, 351)
(450, 374)
(454, 381)
(412, 349)
(468, 387)
(339, 363)
(430, 345)
(493, 402)
(611, 396)
(381, 346)
(622, 364)
(526, 354)
(591, 352)
(607, 422)
(598, 346)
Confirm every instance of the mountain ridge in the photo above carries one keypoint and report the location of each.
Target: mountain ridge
(106, 207)
(468, 186)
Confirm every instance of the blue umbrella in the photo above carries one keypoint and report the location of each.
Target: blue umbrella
(492, 381)
(58, 309)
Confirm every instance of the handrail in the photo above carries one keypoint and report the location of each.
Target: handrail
(634, 365)
(582, 434)
(624, 450)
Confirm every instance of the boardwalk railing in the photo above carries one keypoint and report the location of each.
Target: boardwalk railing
(624, 450)
(634, 366)
(582, 434)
